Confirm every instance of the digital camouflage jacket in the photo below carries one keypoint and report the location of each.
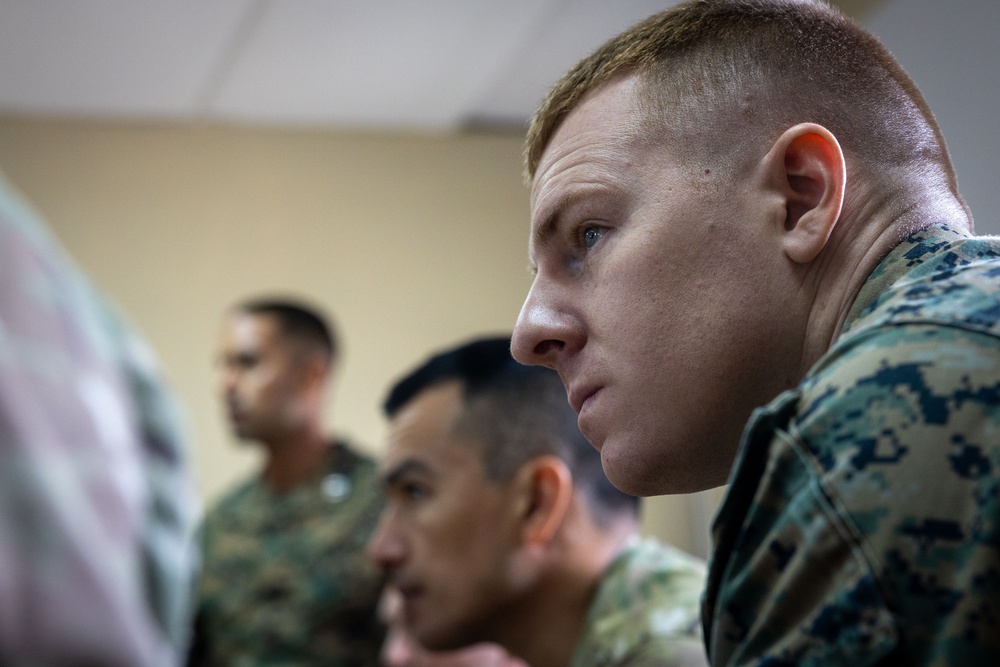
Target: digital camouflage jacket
(285, 577)
(861, 523)
(645, 611)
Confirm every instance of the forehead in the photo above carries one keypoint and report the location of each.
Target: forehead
(600, 121)
(593, 148)
(424, 430)
(249, 331)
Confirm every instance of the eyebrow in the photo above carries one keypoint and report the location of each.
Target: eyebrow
(548, 227)
(405, 467)
(230, 357)
(542, 234)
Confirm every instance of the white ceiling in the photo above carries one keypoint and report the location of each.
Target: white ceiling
(434, 65)
(421, 65)
(427, 64)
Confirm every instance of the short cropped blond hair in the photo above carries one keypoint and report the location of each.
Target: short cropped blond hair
(723, 75)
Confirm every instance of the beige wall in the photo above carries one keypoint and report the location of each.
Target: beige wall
(412, 242)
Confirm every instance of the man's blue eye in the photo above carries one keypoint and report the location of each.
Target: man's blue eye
(592, 235)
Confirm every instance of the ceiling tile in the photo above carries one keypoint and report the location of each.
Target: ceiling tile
(572, 30)
(387, 62)
(118, 57)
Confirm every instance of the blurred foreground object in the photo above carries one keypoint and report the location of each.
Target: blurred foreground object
(96, 505)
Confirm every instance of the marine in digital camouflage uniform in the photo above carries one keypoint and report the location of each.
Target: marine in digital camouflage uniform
(286, 579)
(745, 203)
(861, 526)
(97, 506)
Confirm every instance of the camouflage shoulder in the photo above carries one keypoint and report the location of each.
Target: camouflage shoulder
(232, 501)
(936, 276)
(647, 604)
(901, 427)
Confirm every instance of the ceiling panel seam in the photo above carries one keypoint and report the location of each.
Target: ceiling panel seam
(471, 117)
(236, 45)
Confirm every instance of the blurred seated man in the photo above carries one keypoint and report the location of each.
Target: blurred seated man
(97, 505)
(501, 527)
(286, 580)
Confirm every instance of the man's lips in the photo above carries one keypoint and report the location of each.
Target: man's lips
(578, 396)
(405, 586)
(409, 592)
(234, 411)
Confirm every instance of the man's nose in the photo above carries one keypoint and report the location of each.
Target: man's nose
(227, 379)
(542, 332)
(385, 547)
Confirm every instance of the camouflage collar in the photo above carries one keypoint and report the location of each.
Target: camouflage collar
(901, 260)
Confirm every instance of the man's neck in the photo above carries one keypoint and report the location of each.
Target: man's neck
(547, 632)
(856, 248)
(294, 459)
(551, 624)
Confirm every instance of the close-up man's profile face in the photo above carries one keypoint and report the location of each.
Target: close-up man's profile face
(259, 376)
(447, 534)
(646, 297)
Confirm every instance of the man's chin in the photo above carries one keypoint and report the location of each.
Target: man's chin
(443, 639)
(626, 473)
(245, 436)
(435, 642)
(630, 485)
(594, 437)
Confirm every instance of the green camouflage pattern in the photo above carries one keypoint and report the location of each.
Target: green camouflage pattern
(645, 611)
(285, 577)
(861, 523)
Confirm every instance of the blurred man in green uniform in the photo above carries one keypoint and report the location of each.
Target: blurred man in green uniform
(286, 580)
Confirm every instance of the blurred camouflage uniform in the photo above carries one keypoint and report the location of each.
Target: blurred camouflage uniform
(645, 611)
(862, 524)
(97, 509)
(286, 580)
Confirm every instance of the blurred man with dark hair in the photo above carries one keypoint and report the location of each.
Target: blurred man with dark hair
(285, 576)
(501, 526)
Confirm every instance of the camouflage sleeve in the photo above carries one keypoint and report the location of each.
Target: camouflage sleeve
(645, 611)
(95, 501)
(867, 512)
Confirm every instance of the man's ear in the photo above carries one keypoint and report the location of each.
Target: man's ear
(547, 488)
(313, 372)
(806, 166)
